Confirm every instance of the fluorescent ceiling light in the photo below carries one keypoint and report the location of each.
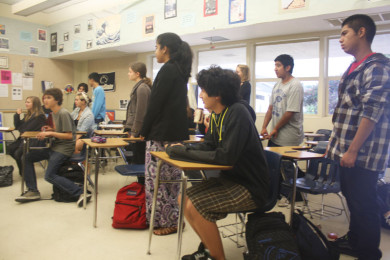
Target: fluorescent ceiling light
(29, 7)
(62, 6)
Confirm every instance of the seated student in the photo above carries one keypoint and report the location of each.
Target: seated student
(83, 118)
(33, 120)
(82, 87)
(61, 149)
(232, 139)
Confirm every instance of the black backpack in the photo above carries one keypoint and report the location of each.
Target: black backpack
(269, 237)
(6, 175)
(72, 172)
(312, 243)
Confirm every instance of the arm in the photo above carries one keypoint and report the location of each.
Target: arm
(284, 120)
(267, 119)
(17, 121)
(86, 123)
(143, 93)
(64, 136)
(98, 102)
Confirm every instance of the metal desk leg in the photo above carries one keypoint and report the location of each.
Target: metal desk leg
(95, 190)
(25, 143)
(156, 186)
(86, 169)
(181, 214)
(294, 189)
(12, 133)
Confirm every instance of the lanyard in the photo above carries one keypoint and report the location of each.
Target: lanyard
(219, 124)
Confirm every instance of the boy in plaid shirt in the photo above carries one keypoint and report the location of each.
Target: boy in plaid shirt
(361, 135)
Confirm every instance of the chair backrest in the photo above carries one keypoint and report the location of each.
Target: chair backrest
(325, 132)
(274, 161)
(323, 170)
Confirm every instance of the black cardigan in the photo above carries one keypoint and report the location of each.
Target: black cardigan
(245, 91)
(240, 147)
(166, 115)
(35, 123)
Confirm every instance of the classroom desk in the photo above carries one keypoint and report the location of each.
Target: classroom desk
(183, 166)
(112, 126)
(312, 135)
(111, 143)
(294, 154)
(8, 130)
(111, 133)
(193, 140)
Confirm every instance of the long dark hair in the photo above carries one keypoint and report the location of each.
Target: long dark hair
(179, 51)
(140, 67)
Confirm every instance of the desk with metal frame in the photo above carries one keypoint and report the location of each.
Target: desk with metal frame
(110, 143)
(295, 154)
(183, 166)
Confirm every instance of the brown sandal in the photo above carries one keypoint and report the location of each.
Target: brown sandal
(166, 230)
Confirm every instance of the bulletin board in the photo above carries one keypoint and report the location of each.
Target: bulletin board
(60, 72)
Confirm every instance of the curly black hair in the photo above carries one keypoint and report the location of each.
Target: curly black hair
(218, 82)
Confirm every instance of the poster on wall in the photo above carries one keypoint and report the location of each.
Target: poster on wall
(34, 51)
(53, 42)
(61, 48)
(148, 25)
(210, 7)
(108, 30)
(107, 81)
(89, 44)
(170, 9)
(4, 44)
(3, 62)
(42, 35)
(77, 28)
(3, 90)
(17, 93)
(2, 29)
(237, 11)
(90, 25)
(25, 36)
(123, 104)
(66, 37)
(6, 77)
(28, 69)
(292, 4)
(17, 79)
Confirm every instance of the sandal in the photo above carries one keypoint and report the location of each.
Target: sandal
(166, 230)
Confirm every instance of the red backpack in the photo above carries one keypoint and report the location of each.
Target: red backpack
(130, 208)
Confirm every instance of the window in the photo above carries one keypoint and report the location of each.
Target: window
(156, 67)
(225, 58)
(306, 68)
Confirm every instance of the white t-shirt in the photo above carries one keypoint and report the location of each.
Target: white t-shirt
(288, 97)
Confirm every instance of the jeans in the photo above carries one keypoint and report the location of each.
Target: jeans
(359, 187)
(272, 144)
(55, 162)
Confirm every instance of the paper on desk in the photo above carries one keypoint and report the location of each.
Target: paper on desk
(17, 93)
(28, 83)
(3, 90)
(17, 79)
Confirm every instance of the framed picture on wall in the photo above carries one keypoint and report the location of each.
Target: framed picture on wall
(53, 42)
(33, 50)
(89, 44)
(210, 7)
(61, 48)
(66, 37)
(148, 25)
(77, 28)
(90, 25)
(4, 44)
(237, 11)
(170, 9)
(123, 104)
(42, 35)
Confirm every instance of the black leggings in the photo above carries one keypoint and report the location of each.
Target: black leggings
(17, 155)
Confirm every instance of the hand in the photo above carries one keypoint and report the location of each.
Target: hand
(132, 136)
(273, 134)
(348, 160)
(142, 137)
(19, 111)
(46, 128)
(264, 133)
(43, 135)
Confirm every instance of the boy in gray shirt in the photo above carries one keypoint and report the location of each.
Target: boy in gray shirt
(286, 107)
(61, 149)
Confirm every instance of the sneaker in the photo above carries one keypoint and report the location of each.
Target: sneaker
(201, 254)
(29, 196)
(343, 245)
(80, 202)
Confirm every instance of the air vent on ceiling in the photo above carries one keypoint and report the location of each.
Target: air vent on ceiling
(215, 39)
(378, 18)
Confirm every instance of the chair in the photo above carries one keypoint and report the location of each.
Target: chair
(322, 177)
(136, 170)
(274, 161)
(79, 159)
(325, 132)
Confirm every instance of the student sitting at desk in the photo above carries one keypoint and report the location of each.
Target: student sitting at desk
(232, 139)
(33, 120)
(83, 118)
(62, 148)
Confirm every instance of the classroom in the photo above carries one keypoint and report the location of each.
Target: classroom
(241, 129)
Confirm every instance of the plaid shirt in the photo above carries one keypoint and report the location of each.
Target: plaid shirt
(364, 93)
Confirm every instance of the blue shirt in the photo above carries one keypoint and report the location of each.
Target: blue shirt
(99, 103)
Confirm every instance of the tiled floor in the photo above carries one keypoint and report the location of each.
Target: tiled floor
(50, 230)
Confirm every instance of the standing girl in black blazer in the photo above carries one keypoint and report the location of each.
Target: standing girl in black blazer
(166, 122)
(245, 88)
(33, 120)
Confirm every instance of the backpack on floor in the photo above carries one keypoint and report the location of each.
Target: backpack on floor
(6, 176)
(72, 172)
(269, 237)
(312, 243)
(130, 207)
